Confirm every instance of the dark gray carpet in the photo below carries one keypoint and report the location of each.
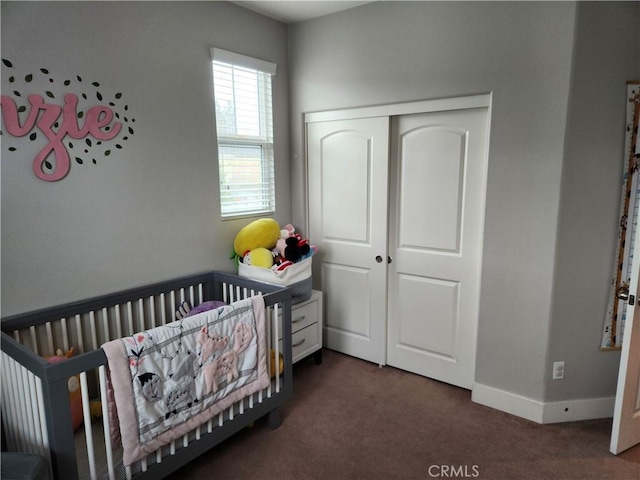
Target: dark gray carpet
(350, 419)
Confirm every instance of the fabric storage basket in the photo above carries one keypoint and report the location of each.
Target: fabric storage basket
(297, 277)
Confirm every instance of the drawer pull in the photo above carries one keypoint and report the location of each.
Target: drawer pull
(299, 343)
(299, 319)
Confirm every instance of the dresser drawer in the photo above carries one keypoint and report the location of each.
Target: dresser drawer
(303, 315)
(304, 342)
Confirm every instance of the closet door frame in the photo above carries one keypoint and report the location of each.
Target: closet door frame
(483, 100)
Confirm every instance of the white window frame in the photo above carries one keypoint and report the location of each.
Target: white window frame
(259, 198)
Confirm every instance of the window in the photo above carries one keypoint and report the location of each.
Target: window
(244, 121)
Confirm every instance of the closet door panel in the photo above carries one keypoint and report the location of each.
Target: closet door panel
(431, 194)
(348, 178)
(346, 185)
(348, 287)
(438, 176)
(436, 335)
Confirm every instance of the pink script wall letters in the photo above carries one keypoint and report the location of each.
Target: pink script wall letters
(97, 124)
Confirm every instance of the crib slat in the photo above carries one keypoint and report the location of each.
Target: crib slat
(34, 339)
(9, 408)
(80, 334)
(50, 338)
(92, 325)
(34, 422)
(43, 421)
(23, 402)
(130, 330)
(152, 312)
(86, 413)
(106, 422)
(163, 311)
(276, 345)
(105, 325)
(118, 322)
(65, 334)
(173, 302)
(141, 316)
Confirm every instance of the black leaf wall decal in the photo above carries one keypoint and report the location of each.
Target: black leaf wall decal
(7, 63)
(28, 78)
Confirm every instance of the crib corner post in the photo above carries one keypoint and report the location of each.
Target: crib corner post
(60, 430)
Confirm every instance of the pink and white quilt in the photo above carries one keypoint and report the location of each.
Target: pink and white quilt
(168, 380)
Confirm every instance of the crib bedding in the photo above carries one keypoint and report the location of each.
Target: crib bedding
(170, 379)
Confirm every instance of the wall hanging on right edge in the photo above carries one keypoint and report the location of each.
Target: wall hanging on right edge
(613, 334)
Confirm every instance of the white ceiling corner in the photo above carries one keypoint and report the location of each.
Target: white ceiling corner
(293, 11)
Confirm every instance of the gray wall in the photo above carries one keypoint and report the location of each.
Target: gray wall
(389, 52)
(149, 211)
(605, 56)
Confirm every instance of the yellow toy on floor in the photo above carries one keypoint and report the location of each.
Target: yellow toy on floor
(272, 369)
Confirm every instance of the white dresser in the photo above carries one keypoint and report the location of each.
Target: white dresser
(306, 328)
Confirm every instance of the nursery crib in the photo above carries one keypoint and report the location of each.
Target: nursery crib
(36, 407)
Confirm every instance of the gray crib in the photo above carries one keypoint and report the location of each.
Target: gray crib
(36, 410)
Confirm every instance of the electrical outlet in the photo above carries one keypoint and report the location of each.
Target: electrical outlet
(558, 370)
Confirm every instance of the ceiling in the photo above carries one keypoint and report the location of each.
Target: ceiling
(298, 10)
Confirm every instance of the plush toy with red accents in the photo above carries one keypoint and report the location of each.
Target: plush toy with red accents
(296, 248)
(291, 246)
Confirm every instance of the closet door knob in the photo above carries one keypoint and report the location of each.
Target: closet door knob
(379, 259)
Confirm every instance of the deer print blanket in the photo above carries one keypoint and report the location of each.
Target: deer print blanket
(168, 380)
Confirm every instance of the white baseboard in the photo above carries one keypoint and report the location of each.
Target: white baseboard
(540, 412)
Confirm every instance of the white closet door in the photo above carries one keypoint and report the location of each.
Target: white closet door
(438, 177)
(348, 177)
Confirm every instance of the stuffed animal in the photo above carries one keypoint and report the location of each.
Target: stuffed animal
(296, 248)
(258, 257)
(291, 246)
(263, 232)
(73, 384)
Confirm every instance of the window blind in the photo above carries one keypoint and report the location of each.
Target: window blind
(244, 122)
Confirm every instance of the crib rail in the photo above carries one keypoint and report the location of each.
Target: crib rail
(36, 411)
